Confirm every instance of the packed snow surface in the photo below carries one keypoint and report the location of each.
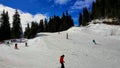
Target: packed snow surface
(45, 50)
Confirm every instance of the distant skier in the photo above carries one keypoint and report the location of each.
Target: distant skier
(66, 35)
(26, 44)
(16, 47)
(62, 61)
(8, 43)
(94, 41)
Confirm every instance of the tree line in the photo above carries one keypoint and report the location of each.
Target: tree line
(8, 32)
(54, 24)
(14, 30)
(101, 9)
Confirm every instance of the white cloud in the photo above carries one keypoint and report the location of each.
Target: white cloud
(38, 17)
(25, 17)
(79, 4)
(61, 2)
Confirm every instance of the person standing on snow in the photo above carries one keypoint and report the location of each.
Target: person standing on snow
(16, 47)
(94, 42)
(26, 44)
(62, 61)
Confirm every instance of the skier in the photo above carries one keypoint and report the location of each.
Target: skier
(94, 41)
(26, 44)
(16, 46)
(62, 61)
(66, 35)
(8, 43)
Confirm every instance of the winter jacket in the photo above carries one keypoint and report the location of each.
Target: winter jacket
(61, 59)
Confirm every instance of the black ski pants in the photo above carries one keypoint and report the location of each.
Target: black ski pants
(62, 65)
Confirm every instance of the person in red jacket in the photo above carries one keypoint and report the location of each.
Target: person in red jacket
(16, 47)
(62, 61)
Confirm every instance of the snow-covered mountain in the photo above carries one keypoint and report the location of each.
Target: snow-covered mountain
(24, 16)
(45, 50)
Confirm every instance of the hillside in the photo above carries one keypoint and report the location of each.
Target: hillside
(79, 50)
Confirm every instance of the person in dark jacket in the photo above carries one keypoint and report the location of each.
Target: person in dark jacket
(94, 42)
(62, 61)
(26, 44)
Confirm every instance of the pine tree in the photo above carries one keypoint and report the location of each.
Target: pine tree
(45, 26)
(27, 31)
(41, 26)
(118, 11)
(30, 32)
(69, 20)
(17, 28)
(52, 24)
(49, 26)
(80, 19)
(62, 26)
(86, 17)
(33, 30)
(57, 22)
(94, 11)
(105, 9)
(66, 22)
(5, 32)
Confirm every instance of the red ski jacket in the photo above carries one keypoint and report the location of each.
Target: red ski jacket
(61, 59)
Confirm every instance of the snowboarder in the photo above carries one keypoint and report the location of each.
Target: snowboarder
(16, 47)
(94, 41)
(62, 61)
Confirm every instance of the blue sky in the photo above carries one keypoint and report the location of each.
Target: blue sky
(49, 7)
